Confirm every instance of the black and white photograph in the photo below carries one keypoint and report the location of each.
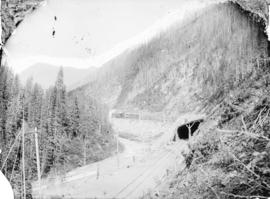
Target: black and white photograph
(135, 99)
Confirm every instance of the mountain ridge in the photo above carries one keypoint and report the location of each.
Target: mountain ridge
(178, 66)
(45, 74)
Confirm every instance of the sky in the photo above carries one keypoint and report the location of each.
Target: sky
(85, 33)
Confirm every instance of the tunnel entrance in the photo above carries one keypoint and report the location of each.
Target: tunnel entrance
(184, 130)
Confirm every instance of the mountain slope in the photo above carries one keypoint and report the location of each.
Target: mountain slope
(195, 61)
(45, 74)
(217, 61)
(228, 156)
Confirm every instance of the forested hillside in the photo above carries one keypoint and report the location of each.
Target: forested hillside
(229, 156)
(73, 130)
(181, 67)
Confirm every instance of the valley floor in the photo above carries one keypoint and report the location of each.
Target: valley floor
(141, 167)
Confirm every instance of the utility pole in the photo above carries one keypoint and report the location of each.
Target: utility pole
(38, 161)
(117, 149)
(84, 152)
(98, 171)
(163, 117)
(23, 160)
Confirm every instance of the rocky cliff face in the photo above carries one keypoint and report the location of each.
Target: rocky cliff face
(190, 64)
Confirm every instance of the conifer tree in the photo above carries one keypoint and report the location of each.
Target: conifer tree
(60, 103)
(5, 98)
(27, 96)
(36, 103)
(68, 135)
(75, 118)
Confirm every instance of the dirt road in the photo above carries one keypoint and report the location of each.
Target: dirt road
(140, 168)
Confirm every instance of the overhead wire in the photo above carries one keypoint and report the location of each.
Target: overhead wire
(13, 167)
(10, 150)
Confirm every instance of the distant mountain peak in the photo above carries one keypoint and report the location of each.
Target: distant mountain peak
(45, 74)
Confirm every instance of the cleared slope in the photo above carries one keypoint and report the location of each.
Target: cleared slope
(213, 52)
(229, 156)
(195, 61)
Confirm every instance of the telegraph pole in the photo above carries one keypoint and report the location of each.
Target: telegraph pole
(23, 159)
(38, 160)
(117, 148)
